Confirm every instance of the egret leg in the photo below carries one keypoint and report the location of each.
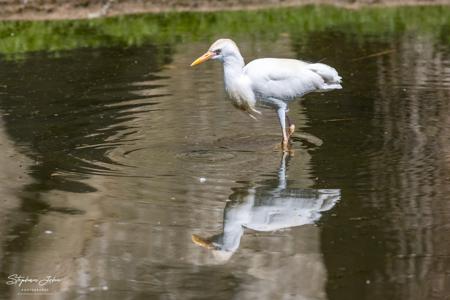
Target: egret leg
(282, 118)
(282, 109)
(291, 127)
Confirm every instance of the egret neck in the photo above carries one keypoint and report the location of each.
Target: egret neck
(237, 84)
(232, 68)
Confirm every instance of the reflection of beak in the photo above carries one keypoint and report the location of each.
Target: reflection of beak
(202, 242)
(203, 58)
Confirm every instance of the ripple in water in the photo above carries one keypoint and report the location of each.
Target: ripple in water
(70, 113)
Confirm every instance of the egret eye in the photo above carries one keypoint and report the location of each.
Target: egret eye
(217, 52)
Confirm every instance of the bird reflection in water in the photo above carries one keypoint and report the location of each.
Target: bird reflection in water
(267, 209)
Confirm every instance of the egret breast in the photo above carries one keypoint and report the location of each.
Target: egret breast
(240, 93)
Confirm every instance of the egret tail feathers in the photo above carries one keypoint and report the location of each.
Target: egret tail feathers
(333, 86)
(329, 74)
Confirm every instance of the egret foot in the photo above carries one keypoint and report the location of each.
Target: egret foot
(285, 149)
(285, 145)
(291, 130)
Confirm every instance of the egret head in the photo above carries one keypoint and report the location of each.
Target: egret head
(219, 50)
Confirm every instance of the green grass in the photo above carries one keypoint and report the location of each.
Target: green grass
(20, 37)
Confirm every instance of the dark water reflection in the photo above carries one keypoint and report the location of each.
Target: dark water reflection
(113, 158)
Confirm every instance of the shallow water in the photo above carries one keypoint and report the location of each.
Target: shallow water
(120, 164)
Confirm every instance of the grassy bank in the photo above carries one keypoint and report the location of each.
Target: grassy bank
(20, 37)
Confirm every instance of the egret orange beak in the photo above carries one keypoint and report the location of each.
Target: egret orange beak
(203, 58)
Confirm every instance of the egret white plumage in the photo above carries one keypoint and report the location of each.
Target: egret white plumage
(272, 82)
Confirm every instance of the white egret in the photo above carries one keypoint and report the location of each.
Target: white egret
(272, 82)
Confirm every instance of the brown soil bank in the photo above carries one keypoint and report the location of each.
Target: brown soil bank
(80, 9)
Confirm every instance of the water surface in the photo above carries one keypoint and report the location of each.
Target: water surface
(127, 174)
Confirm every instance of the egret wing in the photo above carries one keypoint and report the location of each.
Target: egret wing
(285, 79)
